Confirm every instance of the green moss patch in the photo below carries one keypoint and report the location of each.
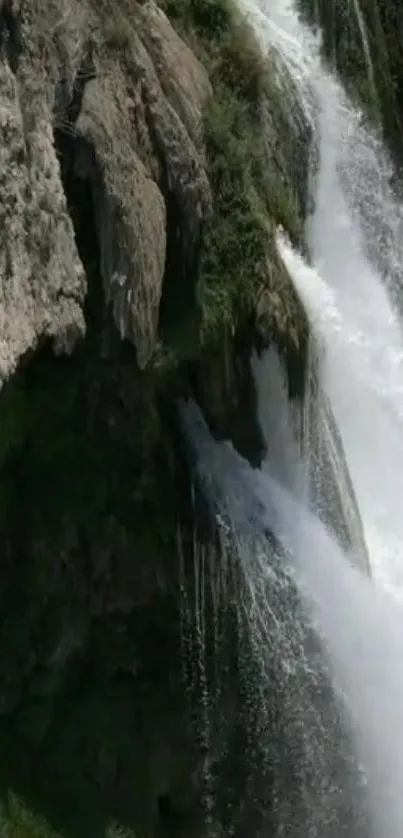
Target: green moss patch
(17, 820)
(239, 267)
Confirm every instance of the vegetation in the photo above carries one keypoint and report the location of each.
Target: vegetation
(250, 170)
(250, 195)
(88, 463)
(17, 820)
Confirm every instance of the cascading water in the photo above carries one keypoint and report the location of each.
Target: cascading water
(301, 597)
(308, 782)
(365, 46)
(323, 475)
(314, 780)
(354, 295)
(361, 370)
(351, 302)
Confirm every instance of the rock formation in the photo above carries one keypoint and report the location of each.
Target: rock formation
(143, 173)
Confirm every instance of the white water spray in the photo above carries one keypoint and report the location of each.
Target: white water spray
(279, 430)
(362, 372)
(356, 245)
(358, 623)
(361, 628)
(352, 297)
(356, 241)
(315, 787)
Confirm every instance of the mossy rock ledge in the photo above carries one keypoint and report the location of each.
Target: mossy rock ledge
(146, 160)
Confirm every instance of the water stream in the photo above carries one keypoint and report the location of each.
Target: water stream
(320, 787)
(352, 291)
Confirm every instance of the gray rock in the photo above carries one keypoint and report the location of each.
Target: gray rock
(42, 283)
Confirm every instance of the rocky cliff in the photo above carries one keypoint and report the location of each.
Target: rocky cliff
(144, 167)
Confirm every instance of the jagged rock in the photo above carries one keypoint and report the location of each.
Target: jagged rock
(130, 117)
(131, 207)
(41, 277)
(106, 633)
(140, 117)
(130, 210)
(182, 77)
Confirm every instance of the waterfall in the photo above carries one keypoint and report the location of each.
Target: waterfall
(322, 641)
(361, 370)
(365, 47)
(308, 431)
(317, 787)
(353, 293)
(308, 780)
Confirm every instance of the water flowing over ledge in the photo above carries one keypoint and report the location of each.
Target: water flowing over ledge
(280, 544)
(352, 292)
(186, 659)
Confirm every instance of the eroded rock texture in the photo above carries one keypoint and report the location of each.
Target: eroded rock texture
(119, 199)
(42, 282)
(123, 106)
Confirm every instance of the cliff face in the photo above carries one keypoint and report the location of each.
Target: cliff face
(42, 278)
(144, 171)
(141, 182)
(85, 91)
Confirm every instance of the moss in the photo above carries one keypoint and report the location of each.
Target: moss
(239, 263)
(254, 187)
(210, 18)
(234, 251)
(17, 820)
